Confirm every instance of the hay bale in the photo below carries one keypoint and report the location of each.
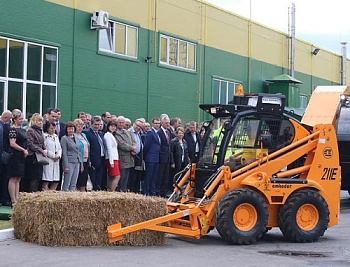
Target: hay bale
(81, 219)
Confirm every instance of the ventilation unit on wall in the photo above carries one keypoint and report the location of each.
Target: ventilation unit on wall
(99, 20)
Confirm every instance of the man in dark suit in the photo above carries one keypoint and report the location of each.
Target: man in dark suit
(151, 152)
(1, 140)
(53, 116)
(145, 129)
(136, 172)
(193, 141)
(174, 123)
(106, 118)
(83, 117)
(97, 153)
(164, 161)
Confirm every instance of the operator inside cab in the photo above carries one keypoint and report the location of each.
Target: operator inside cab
(249, 152)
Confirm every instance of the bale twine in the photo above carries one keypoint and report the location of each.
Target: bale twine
(80, 219)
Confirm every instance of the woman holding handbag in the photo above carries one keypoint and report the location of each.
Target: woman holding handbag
(18, 143)
(36, 144)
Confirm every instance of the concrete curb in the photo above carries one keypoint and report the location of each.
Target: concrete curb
(6, 234)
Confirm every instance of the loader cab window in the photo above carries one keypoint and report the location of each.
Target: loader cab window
(254, 137)
(244, 146)
(206, 150)
(249, 138)
(218, 136)
(343, 124)
(279, 133)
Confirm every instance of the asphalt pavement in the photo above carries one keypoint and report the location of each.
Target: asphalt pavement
(333, 249)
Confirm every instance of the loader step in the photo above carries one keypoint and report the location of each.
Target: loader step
(288, 181)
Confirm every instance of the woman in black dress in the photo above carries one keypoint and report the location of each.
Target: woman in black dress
(18, 144)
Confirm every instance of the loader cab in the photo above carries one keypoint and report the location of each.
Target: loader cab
(251, 133)
(343, 136)
(250, 127)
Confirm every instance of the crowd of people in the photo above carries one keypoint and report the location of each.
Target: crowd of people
(111, 151)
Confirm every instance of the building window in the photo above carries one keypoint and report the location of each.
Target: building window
(119, 38)
(177, 53)
(303, 101)
(27, 70)
(223, 91)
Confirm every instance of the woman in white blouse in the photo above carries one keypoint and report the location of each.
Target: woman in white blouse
(112, 157)
(51, 172)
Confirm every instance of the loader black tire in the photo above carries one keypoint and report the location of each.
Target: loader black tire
(304, 217)
(241, 217)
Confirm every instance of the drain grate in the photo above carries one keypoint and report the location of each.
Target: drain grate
(297, 253)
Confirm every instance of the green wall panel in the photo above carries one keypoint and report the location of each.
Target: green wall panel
(173, 92)
(94, 82)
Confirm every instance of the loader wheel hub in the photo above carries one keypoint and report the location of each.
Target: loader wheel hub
(245, 217)
(307, 217)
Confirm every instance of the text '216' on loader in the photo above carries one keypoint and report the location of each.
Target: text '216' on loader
(260, 169)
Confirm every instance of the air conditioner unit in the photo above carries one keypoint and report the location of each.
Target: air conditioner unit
(99, 20)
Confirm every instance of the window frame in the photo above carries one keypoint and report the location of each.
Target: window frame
(179, 41)
(223, 80)
(24, 80)
(111, 35)
(303, 101)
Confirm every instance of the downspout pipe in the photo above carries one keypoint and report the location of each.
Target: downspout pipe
(343, 63)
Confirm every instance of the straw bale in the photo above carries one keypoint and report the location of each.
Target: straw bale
(81, 219)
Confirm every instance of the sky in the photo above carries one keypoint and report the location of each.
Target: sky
(322, 23)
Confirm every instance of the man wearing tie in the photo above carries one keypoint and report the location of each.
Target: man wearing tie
(53, 116)
(164, 160)
(97, 152)
(193, 141)
(151, 152)
(137, 171)
(174, 123)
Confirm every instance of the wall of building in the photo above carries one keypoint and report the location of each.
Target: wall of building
(228, 46)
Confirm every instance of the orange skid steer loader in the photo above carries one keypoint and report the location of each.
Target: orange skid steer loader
(291, 181)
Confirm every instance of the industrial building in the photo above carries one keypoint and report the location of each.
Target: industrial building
(141, 58)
